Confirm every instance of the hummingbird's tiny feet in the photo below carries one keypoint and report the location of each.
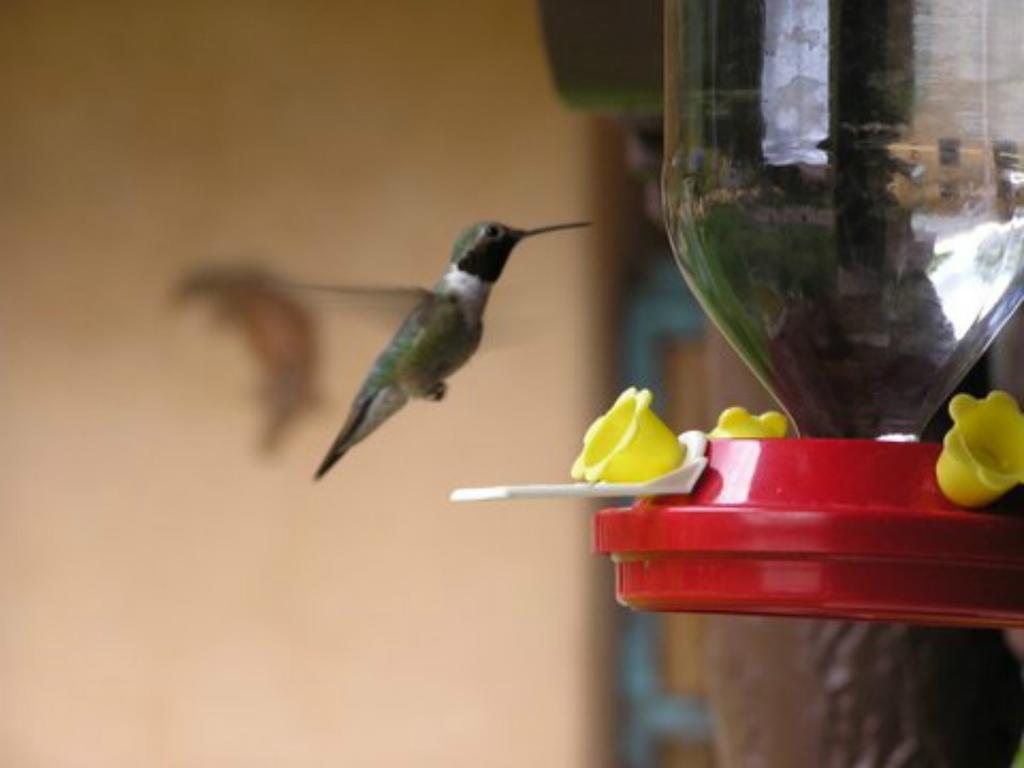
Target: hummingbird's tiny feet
(437, 393)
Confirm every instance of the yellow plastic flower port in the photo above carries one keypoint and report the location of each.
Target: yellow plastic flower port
(629, 444)
(738, 422)
(983, 454)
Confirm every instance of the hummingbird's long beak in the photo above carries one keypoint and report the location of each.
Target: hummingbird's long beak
(553, 228)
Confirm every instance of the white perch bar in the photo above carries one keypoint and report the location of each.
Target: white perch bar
(681, 480)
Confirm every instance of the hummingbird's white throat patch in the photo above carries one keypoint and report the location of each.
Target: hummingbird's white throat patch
(471, 291)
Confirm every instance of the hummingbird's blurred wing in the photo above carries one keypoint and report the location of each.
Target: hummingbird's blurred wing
(277, 328)
(388, 305)
(350, 293)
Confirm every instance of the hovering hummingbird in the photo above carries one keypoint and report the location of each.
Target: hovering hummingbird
(439, 335)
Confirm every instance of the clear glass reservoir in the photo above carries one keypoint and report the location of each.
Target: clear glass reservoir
(843, 189)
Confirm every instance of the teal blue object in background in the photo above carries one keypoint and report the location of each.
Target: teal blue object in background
(659, 309)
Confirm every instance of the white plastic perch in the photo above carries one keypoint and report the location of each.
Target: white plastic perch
(681, 480)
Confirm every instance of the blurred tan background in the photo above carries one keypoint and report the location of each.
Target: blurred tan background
(169, 597)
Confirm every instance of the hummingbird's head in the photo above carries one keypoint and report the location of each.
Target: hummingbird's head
(483, 249)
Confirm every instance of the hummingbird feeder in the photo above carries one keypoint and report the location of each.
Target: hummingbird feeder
(846, 201)
(856, 230)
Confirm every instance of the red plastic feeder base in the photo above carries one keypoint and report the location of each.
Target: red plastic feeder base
(850, 529)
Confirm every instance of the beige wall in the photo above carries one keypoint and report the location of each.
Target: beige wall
(168, 597)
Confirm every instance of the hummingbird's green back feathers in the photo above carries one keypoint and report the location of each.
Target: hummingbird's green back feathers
(435, 340)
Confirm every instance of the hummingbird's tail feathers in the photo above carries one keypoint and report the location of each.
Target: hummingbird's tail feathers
(368, 412)
(333, 457)
(345, 440)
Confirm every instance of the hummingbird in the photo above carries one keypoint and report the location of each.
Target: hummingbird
(438, 336)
